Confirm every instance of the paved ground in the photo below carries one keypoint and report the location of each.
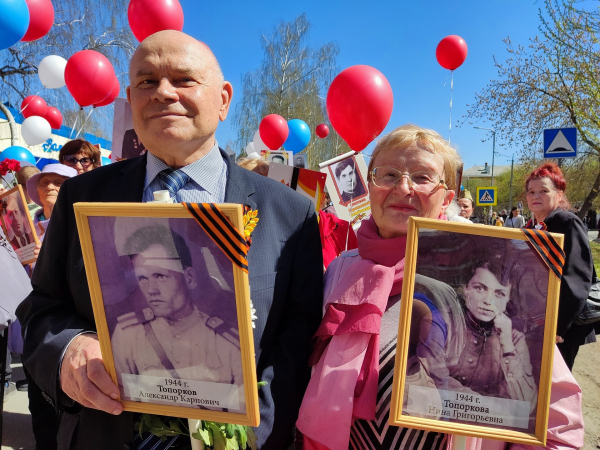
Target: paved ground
(17, 434)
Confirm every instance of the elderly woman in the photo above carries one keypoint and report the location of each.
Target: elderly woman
(347, 403)
(545, 189)
(43, 189)
(80, 155)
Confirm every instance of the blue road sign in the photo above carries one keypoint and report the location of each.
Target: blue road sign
(486, 196)
(560, 143)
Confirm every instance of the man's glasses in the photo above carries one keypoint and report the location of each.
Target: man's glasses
(388, 177)
(72, 161)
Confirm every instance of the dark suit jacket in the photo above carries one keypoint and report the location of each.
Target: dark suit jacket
(17, 245)
(286, 280)
(577, 275)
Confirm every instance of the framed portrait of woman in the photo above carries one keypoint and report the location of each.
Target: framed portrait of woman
(171, 299)
(477, 331)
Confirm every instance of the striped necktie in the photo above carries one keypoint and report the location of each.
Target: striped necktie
(173, 180)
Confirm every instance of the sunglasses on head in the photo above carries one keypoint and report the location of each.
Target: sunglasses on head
(72, 161)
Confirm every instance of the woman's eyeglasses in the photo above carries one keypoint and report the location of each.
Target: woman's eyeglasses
(388, 177)
(72, 161)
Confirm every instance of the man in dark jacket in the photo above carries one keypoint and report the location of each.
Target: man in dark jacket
(178, 96)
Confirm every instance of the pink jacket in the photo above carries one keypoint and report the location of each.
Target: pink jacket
(565, 422)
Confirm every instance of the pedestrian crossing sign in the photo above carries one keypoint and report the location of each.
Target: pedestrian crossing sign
(486, 196)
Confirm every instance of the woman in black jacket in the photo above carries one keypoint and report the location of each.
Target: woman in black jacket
(545, 189)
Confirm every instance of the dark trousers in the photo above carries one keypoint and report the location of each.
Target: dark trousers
(44, 418)
(568, 352)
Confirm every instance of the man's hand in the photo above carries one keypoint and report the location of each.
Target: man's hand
(36, 250)
(84, 378)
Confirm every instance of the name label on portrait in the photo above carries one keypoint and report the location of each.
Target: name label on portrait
(178, 392)
(25, 253)
(440, 404)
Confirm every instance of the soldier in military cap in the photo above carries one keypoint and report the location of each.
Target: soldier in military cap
(172, 338)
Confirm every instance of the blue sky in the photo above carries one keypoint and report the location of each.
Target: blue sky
(397, 37)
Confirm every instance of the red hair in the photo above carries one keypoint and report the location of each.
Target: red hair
(549, 170)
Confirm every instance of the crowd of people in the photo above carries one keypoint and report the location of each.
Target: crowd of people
(327, 299)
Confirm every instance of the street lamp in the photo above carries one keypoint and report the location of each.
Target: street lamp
(493, 148)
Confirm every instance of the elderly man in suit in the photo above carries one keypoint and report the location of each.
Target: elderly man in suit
(178, 96)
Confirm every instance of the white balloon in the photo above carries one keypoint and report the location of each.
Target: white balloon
(35, 130)
(259, 145)
(250, 148)
(253, 155)
(52, 71)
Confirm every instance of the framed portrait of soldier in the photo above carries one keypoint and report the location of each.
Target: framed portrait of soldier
(300, 160)
(476, 334)
(169, 288)
(17, 224)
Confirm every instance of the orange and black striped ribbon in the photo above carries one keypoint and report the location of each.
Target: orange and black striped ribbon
(221, 231)
(548, 249)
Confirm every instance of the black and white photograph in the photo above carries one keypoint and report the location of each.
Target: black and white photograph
(17, 224)
(169, 300)
(349, 182)
(277, 156)
(300, 160)
(478, 330)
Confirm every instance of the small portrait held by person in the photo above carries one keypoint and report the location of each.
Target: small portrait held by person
(16, 221)
(515, 220)
(178, 97)
(545, 189)
(350, 186)
(80, 155)
(412, 173)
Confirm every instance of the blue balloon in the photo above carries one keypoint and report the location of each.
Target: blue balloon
(106, 161)
(18, 153)
(14, 22)
(299, 136)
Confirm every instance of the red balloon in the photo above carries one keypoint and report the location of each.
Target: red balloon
(147, 17)
(359, 105)
(322, 130)
(451, 52)
(41, 19)
(89, 77)
(54, 117)
(34, 106)
(273, 131)
(112, 96)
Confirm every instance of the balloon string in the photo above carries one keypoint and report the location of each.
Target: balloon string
(84, 122)
(451, 87)
(104, 115)
(74, 124)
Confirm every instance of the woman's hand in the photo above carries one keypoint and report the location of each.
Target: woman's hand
(504, 326)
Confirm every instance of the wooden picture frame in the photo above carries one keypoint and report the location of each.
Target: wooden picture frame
(455, 336)
(24, 252)
(217, 379)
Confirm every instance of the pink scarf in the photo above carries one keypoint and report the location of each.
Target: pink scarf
(346, 376)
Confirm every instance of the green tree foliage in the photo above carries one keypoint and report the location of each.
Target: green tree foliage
(552, 82)
(78, 25)
(292, 81)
